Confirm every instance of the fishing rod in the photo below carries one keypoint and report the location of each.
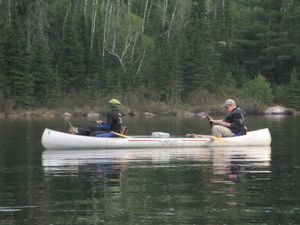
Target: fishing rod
(191, 133)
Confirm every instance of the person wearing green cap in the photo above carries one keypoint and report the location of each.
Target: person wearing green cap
(103, 129)
(233, 124)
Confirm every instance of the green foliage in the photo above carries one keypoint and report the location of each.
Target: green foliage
(280, 93)
(42, 71)
(293, 92)
(70, 65)
(267, 42)
(197, 51)
(18, 79)
(2, 80)
(181, 50)
(258, 89)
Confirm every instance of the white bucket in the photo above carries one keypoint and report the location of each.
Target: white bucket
(160, 135)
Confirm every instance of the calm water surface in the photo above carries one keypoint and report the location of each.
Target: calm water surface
(205, 186)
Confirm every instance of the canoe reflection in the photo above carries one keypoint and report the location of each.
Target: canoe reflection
(222, 159)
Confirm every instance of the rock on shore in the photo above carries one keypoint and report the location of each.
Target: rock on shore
(279, 110)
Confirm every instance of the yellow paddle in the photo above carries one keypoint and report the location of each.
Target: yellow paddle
(120, 135)
(216, 139)
(219, 140)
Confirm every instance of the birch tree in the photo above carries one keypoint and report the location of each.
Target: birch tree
(93, 23)
(123, 35)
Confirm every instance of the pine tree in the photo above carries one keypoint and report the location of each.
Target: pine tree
(290, 50)
(42, 71)
(176, 79)
(264, 44)
(19, 81)
(293, 91)
(196, 49)
(70, 64)
(2, 81)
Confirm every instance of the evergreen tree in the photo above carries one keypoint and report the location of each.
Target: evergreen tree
(196, 49)
(42, 71)
(290, 50)
(70, 64)
(293, 91)
(94, 70)
(176, 79)
(264, 44)
(174, 48)
(2, 81)
(19, 81)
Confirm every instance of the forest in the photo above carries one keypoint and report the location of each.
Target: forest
(58, 53)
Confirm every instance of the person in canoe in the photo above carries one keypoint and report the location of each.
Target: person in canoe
(110, 128)
(233, 124)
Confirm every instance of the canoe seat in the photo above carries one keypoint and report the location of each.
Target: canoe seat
(245, 130)
(124, 130)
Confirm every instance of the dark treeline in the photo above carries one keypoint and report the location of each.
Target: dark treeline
(55, 52)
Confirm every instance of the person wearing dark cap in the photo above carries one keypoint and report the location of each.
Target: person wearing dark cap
(233, 124)
(103, 129)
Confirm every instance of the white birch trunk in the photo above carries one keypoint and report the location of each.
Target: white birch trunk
(9, 12)
(84, 9)
(141, 62)
(149, 10)
(121, 33)
(93, 28)
(129, 6)
(108, 9)
(171, 21)
(165, 9)
(215, 9)
(144, 16)
(66, 16)
(134, 44)
(29, 13)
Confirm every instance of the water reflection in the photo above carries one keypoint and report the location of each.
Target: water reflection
(237, 161)
(122, 185)
(224, 160)
(231, 166)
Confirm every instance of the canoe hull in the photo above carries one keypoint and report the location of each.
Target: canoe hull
(52, 139)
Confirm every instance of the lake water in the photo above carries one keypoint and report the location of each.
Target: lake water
(208, 186)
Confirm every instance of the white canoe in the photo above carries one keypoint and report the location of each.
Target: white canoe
(52, 139)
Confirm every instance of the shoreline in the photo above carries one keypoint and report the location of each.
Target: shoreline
(174, 112)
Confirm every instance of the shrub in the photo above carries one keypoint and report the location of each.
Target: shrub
(258, 90)
(280, 93)
(293, 93)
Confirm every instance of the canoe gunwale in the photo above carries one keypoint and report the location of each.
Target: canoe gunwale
(52, 139)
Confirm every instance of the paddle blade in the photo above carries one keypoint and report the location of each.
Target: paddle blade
(120, 135)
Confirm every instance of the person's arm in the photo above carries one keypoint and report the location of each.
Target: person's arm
(105, 126)
(221, 123)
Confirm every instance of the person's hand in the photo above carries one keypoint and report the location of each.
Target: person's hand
(99, 121)
(216, 122)
(213, 121)
(191, 135)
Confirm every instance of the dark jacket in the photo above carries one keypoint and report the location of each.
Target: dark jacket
(236, 118)
(113, 122)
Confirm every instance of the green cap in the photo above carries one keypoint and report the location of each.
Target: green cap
(114, 101)
(229, 102)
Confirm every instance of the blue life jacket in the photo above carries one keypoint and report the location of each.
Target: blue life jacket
(106, 135)
(239, 133)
